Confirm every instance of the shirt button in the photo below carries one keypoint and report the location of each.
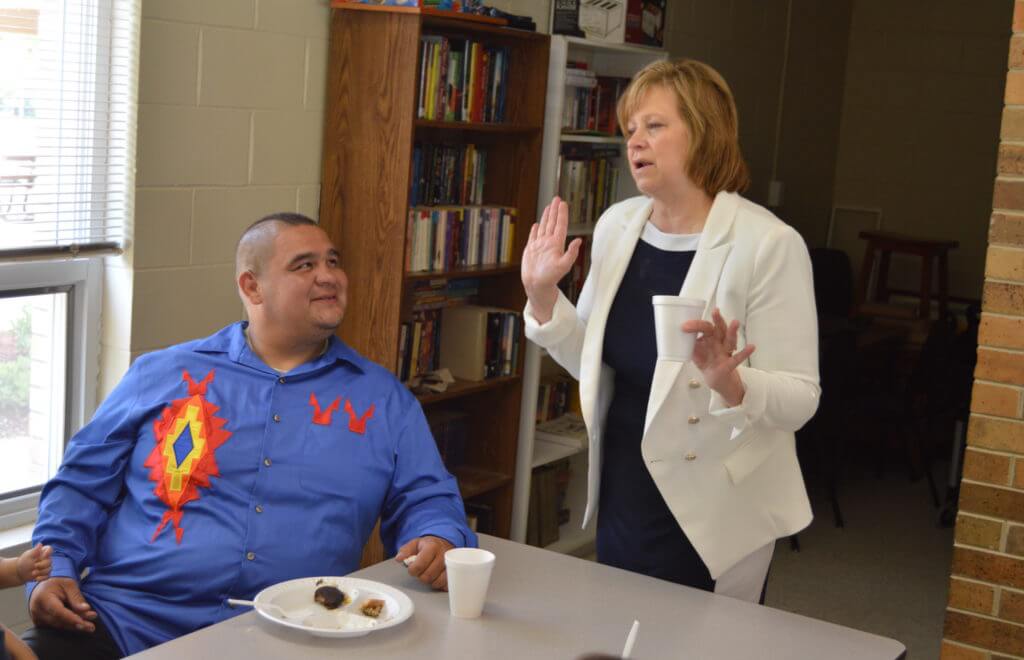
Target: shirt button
(694, 384)
(266, 461)
(693, 419)
(250, 556)
(277, 418)
(259, 509)
(281, 380)
(690, 456)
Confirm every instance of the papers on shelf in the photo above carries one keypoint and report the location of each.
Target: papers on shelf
(568, 430)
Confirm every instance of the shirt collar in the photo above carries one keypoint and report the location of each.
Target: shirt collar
(231, 340)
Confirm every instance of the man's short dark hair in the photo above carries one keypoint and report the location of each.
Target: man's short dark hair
(254, 244)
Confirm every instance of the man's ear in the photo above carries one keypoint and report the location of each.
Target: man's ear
(250, 288)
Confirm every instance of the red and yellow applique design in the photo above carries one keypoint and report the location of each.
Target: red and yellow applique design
(188, 433)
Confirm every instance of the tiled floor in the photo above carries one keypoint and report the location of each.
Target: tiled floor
(886, 571)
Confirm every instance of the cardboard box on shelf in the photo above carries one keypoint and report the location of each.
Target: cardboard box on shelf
(645, 22)
(603, 20)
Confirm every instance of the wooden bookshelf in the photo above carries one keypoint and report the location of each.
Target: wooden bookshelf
(370, 129)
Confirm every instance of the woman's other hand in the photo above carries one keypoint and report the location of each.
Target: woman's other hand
(546, 260)
(714, 353)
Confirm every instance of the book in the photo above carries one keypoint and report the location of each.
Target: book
(470, 345)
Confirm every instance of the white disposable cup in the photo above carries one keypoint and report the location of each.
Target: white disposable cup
(469, 574)
(670, 312)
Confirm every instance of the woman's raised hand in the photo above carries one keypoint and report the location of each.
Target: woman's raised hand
(546, 260)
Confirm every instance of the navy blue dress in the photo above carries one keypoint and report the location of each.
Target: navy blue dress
(635, 529)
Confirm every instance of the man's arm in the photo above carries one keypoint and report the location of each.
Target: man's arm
(76, 503)
(423, 509)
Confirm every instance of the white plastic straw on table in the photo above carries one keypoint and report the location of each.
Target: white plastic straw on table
(630, 639)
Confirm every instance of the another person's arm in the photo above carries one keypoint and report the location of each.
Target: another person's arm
(31, 565)
(17, 649)
(423, 513)
(77, 502)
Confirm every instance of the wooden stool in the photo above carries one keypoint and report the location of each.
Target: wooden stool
(885, 243)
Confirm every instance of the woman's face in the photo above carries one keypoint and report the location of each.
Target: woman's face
(657, 143)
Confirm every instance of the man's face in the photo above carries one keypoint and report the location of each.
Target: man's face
(302, 284)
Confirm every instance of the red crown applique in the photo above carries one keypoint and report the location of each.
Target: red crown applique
(357, 424)
(188, 433)
(323, 417)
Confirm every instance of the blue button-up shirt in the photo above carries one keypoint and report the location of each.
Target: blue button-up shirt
(207, 475)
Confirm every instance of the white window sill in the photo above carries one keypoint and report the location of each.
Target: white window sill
(15, 540)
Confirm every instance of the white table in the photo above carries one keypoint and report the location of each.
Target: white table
(546, 605)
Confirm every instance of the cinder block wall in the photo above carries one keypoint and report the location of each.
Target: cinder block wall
(985, 615)
(231, 97)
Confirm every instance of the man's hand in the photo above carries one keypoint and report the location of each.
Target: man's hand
(58, 603)
(35, 563)
(428, 567)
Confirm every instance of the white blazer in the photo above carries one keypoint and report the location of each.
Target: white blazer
(730, 476)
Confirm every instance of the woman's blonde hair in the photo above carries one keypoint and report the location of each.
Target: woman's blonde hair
(715, 162)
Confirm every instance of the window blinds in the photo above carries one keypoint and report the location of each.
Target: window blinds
(68, 71)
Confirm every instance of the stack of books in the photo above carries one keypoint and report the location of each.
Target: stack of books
(440, 238)
(462, 80)
(419, 339)
(548, 510)
(418, 343)
(590, 101)
(572, 284)
(568, 430)
(588, 177)
(553, 396)
(444, 174)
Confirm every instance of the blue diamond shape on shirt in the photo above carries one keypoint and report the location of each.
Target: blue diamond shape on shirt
(183, 445)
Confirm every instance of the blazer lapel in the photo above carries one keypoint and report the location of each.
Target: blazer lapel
(701, 283)
(613, 268)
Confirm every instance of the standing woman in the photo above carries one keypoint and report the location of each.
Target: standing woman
(693, 469)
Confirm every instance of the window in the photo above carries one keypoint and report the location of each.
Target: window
(67, 124)
(67, 151)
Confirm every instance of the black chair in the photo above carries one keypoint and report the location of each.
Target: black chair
(823, 436)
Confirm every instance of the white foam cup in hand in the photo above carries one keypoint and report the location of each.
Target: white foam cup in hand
(469, 573)
(670, 312)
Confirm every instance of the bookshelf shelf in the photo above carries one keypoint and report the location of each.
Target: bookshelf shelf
(466, 271)
(476, 127)
(461, 388)
(474, 482)
(370, 133)
(545, 452)
(614, 60)
(578, 44)
(593, 139)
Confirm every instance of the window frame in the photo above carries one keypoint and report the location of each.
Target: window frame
(84, 280)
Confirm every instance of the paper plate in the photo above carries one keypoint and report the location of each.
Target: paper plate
(301, 612)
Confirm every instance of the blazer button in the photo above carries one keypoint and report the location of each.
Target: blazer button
(690, 456)
(692, 419)
(694, 384)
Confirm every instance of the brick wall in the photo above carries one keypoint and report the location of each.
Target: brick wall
(985, 615)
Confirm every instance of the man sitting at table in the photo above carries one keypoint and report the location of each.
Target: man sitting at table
(217, 467)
